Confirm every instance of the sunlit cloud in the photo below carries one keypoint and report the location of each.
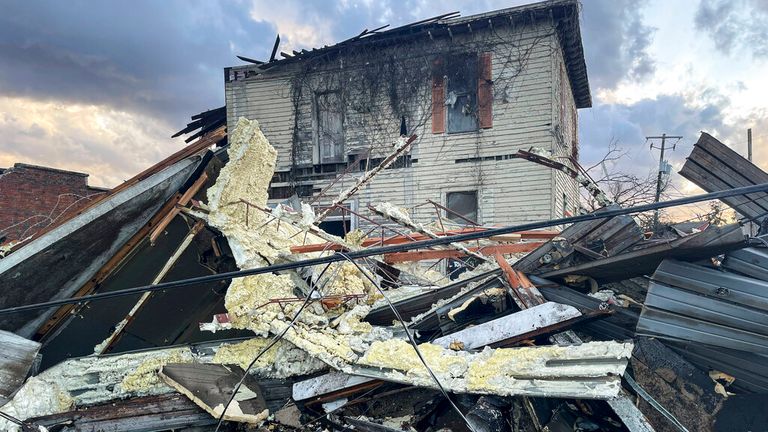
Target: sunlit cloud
(108, 144)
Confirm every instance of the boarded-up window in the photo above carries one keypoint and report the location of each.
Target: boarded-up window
(461, 203)
(329, 133)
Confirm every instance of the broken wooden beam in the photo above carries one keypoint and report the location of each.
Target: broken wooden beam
(182, 201)
(455, 254)
(382, 241)
(170, 411)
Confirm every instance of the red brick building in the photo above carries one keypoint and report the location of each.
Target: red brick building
(32, 197)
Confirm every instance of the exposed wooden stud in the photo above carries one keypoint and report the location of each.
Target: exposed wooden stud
(120, 326)
(182, 201)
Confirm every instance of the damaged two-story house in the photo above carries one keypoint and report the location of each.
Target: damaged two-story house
(474, 90)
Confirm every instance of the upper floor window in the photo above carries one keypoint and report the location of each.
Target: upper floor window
(329, 127)
(462, 98)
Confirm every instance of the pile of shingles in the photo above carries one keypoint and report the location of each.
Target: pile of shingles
(692, 301)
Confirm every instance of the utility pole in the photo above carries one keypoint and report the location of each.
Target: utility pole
(662, 168)
(749, 144)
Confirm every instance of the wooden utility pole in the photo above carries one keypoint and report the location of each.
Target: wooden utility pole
(749, 144)
(662, 147)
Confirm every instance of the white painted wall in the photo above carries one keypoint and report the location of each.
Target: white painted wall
(526, 112)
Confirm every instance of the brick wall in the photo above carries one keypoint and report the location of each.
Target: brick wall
(32, 197)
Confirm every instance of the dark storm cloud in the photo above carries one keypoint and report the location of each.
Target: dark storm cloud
(616, 41)
(629, 124)
(735, 24)
(159, 58)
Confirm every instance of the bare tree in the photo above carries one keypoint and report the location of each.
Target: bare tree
(623, 188)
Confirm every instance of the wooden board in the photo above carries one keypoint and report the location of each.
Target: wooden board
(16, 357)
(210, 386)
(144, 414)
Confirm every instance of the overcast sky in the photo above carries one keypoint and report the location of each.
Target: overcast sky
(99, 86)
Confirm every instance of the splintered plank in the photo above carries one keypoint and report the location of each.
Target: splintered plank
(210, 386)
(16, 358)
(143, 414)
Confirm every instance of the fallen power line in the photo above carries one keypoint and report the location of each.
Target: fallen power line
(392, 249)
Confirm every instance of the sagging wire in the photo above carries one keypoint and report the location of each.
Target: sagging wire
(25, 425)
(272, 343)
(654, 403)
(412, 341)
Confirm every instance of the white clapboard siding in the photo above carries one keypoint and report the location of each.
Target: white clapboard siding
(526, 113)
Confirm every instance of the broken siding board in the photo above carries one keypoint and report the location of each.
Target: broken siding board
(703, 178)
(748, 368)
(86, 242)
(210, 386)
(17, 355)
(143, 414)
(713, 283)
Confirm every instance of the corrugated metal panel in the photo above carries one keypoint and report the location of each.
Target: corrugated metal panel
(752, 262)
(713, 166)
(748, 368)
(693, 303)
(619, 326)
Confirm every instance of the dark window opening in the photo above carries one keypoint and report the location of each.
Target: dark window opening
(401, 162)
(285, 192)
(461, 93)
(329, 133)
(338, 227)
(461, 203)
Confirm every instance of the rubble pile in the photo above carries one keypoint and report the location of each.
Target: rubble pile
(595, 328)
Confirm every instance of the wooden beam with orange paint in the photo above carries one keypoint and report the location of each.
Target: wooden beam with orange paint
(386, 241)
(450, 253)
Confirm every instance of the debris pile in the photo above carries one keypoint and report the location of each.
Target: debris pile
(595, 327)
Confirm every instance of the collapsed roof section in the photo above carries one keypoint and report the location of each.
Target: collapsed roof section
(324, 317)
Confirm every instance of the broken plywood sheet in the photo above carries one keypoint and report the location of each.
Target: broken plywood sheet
(516, 324)
(211, 387)
(16, 358)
